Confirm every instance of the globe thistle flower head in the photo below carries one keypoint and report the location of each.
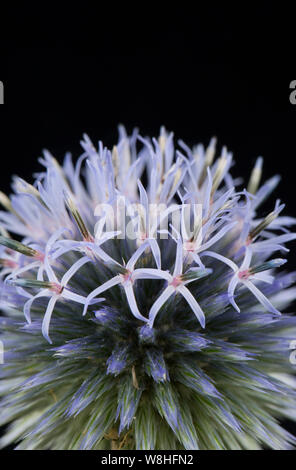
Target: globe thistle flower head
(144, 303)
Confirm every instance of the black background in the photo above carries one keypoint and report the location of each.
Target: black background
(200, 72)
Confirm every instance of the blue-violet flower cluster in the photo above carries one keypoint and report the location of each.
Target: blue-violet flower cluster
(143, 303)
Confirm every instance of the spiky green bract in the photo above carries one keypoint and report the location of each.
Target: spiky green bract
(182, 345)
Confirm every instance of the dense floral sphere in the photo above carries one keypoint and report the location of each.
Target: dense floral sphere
(142, 304)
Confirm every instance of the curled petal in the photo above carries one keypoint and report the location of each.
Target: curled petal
(193, 304)
(132, 301)
(231, 288)
(159, 303)
(107, 285)
(47, 317)
(261, 297)
(28, 304)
